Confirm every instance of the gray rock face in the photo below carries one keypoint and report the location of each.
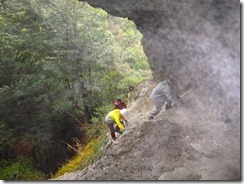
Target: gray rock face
(196, 44)
(187, 40)
(179, 144)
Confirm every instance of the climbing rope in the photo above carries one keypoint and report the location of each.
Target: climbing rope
(206, 78)
(200, 83)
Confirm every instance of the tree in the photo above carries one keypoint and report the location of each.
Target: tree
(60, 62)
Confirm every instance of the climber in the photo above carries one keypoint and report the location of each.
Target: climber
(161, 96)
(128, 96)
(131, 88)
(116, 117)
(119, 104)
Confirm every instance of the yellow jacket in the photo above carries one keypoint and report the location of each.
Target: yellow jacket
(116, 117)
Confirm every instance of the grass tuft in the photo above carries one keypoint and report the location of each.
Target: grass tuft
(85, 156)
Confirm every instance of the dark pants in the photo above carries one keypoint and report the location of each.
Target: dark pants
(112, 129)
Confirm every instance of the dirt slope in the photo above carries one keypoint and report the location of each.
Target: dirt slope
(180, 144)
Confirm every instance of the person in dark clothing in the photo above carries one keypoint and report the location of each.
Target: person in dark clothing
(131, 88)
(119, 104)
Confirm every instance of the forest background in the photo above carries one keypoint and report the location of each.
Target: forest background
(62, 64)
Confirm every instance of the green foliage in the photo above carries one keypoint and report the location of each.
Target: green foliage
(57, 57)
(5, 136)
(87, 155)
(101, 112)
(20, 169)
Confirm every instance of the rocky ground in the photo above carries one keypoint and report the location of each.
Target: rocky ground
(179, 144)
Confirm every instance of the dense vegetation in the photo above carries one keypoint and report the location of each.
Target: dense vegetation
(62, 63)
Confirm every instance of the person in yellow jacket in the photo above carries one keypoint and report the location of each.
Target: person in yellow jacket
(116, 117)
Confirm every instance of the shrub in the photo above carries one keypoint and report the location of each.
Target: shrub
(20, 169)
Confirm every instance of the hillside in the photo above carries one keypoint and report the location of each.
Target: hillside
(53, 99)
(180, 144)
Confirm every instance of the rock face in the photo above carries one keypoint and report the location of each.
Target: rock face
(179, 144)
(189, 41)
(196, 44)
